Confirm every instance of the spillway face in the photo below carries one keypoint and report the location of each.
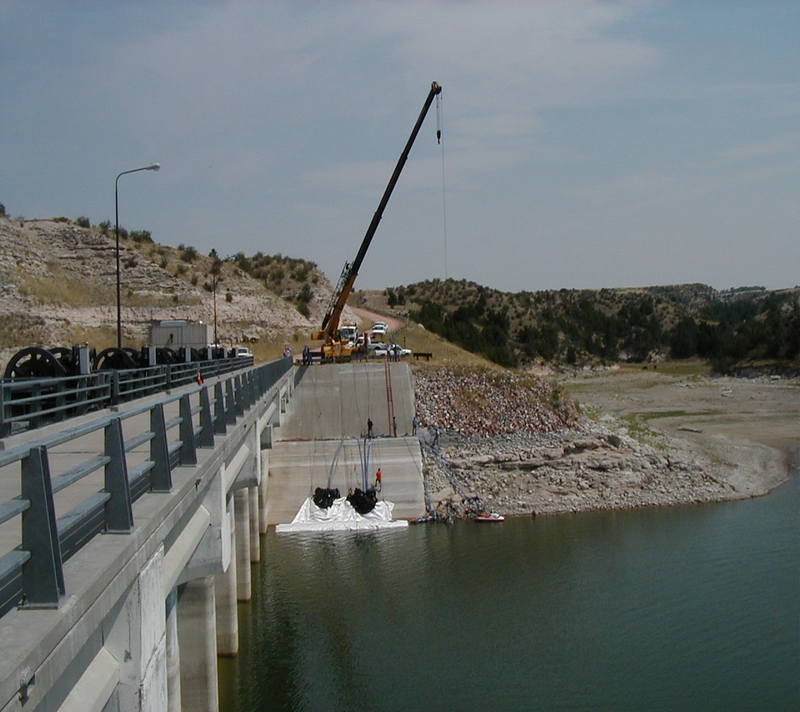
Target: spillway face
(335, 403)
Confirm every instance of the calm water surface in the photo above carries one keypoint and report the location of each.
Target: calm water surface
(690, 608)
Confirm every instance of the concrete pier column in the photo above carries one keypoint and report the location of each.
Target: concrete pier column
(263, 509)
(241, 507)
(198, 643)
(227, 618)
(136, 637)
(173, 655)
(276, 416)
(255, 529)
(263, 505)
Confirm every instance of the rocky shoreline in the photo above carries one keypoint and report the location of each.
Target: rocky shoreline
(585, 468)
(584, 465)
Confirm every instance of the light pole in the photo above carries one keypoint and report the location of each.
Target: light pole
(214, 290)
(152, 167)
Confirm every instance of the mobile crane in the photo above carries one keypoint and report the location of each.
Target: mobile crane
(333, 347)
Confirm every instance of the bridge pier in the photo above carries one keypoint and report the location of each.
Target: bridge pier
(241, 506)
(263, 502)
(173, 654)
(137, 639)
(227, 618)
(255, 530)
(197, 637)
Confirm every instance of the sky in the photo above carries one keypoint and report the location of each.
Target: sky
(586, 143)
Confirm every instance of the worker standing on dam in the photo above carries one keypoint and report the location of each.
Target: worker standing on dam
(369, 427)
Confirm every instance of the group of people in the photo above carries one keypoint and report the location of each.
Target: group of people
(307, 358)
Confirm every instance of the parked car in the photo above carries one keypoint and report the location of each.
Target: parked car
(396, 351)
(243, 352)
(400, 350)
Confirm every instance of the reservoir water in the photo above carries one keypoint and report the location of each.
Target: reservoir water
(686, 608)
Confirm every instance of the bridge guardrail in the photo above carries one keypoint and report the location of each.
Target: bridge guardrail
(32, 574)
(45, 400)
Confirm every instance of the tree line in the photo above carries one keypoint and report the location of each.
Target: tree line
(609, 325)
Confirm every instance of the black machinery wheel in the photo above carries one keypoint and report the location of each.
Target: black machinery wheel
(36, 362)
(115, 359)
(165, 355)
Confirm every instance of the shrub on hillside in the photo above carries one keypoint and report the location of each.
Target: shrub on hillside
(83, 221)
(189, 254)
(141, 236)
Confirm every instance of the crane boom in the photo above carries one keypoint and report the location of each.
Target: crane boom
(330, 324)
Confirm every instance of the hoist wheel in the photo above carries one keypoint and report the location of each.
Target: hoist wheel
(35, 362)
(165, 355)
(114, 359)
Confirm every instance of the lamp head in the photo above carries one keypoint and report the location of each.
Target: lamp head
(154, 167)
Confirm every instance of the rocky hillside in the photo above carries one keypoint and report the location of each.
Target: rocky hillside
(634, 324)
(58, 287)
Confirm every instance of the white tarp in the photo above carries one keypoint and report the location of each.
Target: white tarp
(341, 516)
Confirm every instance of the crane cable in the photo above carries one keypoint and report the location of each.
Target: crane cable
(439, 113)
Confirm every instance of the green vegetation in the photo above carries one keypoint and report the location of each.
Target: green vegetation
(639, 430)
(303, 298)
(609, 325)
(188, 254)
(284, 276)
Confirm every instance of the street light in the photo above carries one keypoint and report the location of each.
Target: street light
(152, 167)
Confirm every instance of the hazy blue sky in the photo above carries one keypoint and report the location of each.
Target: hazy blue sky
(587, 143)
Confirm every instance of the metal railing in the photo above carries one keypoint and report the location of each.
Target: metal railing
(38, 401)
(31, 574)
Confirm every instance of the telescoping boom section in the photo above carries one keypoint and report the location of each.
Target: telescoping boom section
(334, 347)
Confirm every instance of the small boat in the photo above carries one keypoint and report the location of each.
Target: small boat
(490, 517)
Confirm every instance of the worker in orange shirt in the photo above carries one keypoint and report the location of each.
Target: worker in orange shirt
(378, 479)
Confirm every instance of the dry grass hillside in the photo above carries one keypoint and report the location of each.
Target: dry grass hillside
(58, 288)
